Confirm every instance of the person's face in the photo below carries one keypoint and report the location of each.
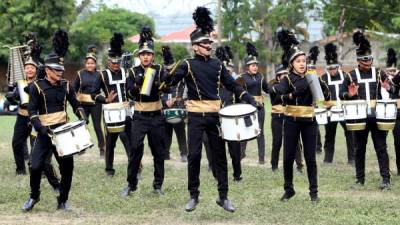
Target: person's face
(90, 65)
(114, 66)
(333, 71)
(30, 71)
(299, 64)
(253, 68)
(365, 64)
(203, 49)
(146, 58)
(54, 75)
(391, 71)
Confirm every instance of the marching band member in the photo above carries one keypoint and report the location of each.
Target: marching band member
(112, 81)
(203, 76)
(277, 115)
(364, 82)
(299, 117)
(393, 73)
(224, 54)
(23, 127)
(334, 77)
(148, 119)
(254, 83)
(175, 99)
(83, 86)
(48, 110)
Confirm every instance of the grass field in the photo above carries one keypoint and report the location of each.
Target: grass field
(95, 197)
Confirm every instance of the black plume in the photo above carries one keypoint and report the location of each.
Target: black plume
(228, 52)
(286, 39)
(91, 49)
(41, 72)
(167, 55)
(146, 35)
(330, 53)
(116, 43)
(35, 47)
(313, 54)
(391, 58)
(60, 42)
(251, 49)
(361, 41)
(221, 54)
(203, 20)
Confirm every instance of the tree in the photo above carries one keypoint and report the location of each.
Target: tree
(17, 17)
(99, 27)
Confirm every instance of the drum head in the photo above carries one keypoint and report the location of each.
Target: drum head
(237, 110)
(68, 126)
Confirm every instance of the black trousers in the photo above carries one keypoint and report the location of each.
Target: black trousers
(379, 140)
(308, 130)
(277, 137)
(180, 132)
(40, 152)
(111, 140)
(22, 130)
(197, 125)
(319, 143)
(96, 112)
(151, 125)
(329, 145)
(234, 152)
(260, 138)
(396, 138)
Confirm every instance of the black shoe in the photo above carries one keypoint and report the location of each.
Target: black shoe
(28, 205)
(183, 158)
(20, 172)
(274, 169)
(158, 191)
(127, 191)
(360, 182)
(385, 185)
(287, 195)
(102, 153)
(261, 161)
(191, 205)
(57, 190)
(226, 204)
(110, 173)
(351, 163)
(314, 199)
(63, 206)
(167, 157)
(237, 179)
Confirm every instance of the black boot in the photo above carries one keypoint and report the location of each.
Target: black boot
(225, 204)
(127, 191)
(28, 205)
(287, 195)
(191, 205)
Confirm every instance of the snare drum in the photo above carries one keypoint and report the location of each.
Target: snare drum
(174, 115)
(386, 112)
(239, 122)
(71, 138)
(321, 115)
(336, 114)
(355, 114)
(114, 117)
(24, 97)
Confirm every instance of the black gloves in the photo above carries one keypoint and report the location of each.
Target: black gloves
(11, 97)
(42, 130)
(250, 99)
(80, 113)
(26, 89)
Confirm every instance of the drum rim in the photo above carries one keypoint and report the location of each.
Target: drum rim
(236, 116)
(80, 152)
(351, 102)
(78, 124)
(248, 139)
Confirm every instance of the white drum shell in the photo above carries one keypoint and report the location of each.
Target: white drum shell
(336, 114)
(233, 127)
(114, 113)
(355, 110)
(71, 138)
(321, 115)
(386, 110)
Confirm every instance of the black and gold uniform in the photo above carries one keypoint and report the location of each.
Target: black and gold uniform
(255, 84)
(113, 80)
(277, 115)
(48, 110)
(83, 87)
(368, 80)
(203, 76)
(147, 119)
(334, 82)
(299, 119)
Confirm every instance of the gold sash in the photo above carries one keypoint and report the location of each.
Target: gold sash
(299, 111)
(53, 118)
(203, 106)
(278, 109)
(148, 106)
(259, 99)
(84, 98)
(330, 103)
(23, 112)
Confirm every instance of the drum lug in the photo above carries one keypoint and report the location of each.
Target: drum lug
(238, 136)
(236, 121)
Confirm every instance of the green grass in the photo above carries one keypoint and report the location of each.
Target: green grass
(95, 197)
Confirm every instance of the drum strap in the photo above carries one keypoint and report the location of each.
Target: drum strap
(366, 83)
(117, 82)
(336, 82)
